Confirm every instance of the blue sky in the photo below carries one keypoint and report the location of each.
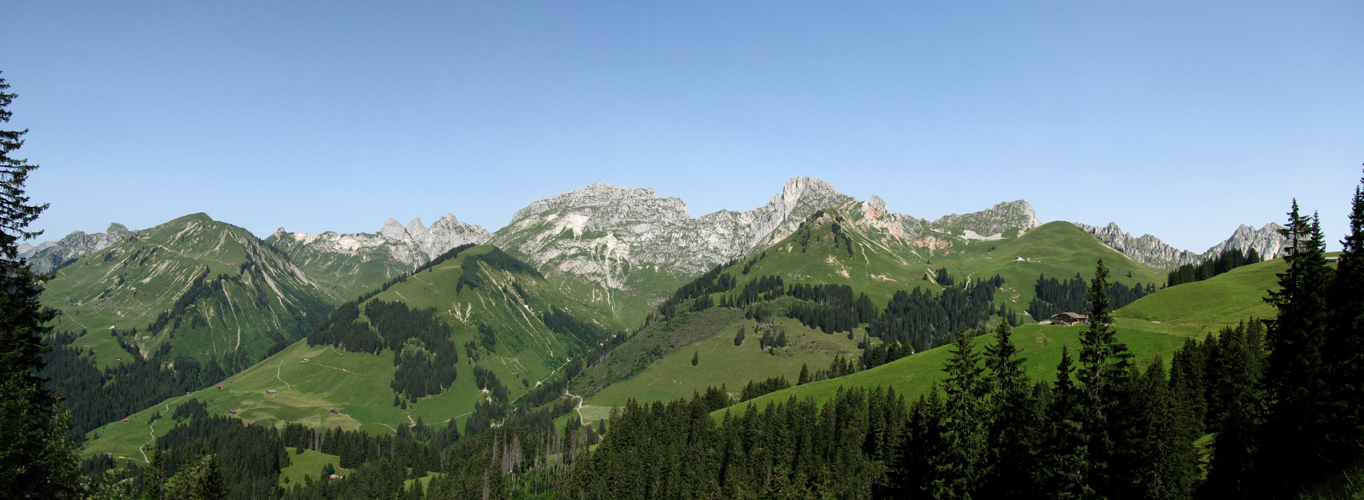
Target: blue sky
(1179, 119)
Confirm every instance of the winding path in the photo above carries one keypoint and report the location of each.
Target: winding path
(277, 368)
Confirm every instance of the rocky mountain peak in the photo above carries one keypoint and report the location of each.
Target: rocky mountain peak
(1151, 251)
(393, 230)
(49, 256)
(1002, 217)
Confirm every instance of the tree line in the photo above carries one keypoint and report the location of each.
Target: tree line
(1212, 266)
(1054, 296)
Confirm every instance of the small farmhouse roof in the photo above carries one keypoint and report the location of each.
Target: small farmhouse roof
(1069, 315)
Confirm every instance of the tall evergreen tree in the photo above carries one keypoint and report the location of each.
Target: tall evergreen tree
(1064, 468)
(1344, 346)
(1293, 435)
(36, 460)
(964, 463)
(1165, 457)
(1236, 408)
(1104, 391)
(1013, 422)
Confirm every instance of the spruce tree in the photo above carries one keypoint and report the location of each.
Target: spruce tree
(36, 458)
(1104, 391)
(1013, 422)
(1064, 468)
(1293, 436)
(1344, 346)
(963, 464)
(1235, 411)
(1164, 454)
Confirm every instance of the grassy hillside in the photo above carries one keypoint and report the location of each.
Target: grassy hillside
(1056, 249)
(1155, 325)
(207, 289)
(879, 264)
(346, 276)
(833, 247)
(312, 380)
(723, 363)
(1223, 299)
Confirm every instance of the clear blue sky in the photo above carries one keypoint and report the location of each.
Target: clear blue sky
(1179, 119)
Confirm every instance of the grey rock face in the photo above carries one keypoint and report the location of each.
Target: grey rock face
(410, 246)
(612, 236)
(49, 256)
(1151, 251)
(995, 221)
(604, 233)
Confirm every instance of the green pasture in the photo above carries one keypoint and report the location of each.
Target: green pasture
(723, 363)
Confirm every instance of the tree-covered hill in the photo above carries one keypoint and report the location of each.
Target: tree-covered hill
(466, 338)
(1155, 325)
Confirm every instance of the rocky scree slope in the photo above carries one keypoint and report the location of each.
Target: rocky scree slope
(350, 264)
(1151, 251)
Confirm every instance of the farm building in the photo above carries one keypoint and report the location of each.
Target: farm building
(270, 391)
(1069, 318)
(231, 412)
(220, 387)
(335, 412)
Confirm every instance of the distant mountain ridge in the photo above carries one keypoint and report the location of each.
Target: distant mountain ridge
(354, 263)
(607, 234)
(52, 255)
(1149, 250)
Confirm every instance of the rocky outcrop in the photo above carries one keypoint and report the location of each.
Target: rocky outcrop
(352, 264)
(604, 233)
(1151, 251)
(1267, 241)
(990, 224)
(412, 245)
(615, 236)
(49, 256)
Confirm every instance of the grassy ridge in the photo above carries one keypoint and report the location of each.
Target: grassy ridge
(723, 363)
(1156, 325)
(357, 384)
(258, 302)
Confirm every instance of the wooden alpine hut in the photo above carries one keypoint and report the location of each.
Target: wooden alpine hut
(1069, 318)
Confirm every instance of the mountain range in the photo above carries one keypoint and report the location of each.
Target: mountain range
(603, 293)
(618, 238)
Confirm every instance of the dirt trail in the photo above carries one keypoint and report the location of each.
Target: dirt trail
(151, 431)
(277, 373)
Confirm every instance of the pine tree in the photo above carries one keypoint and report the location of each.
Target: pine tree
(36, 457)
(1014, 419)
(804, 375)
(1344, 345)
(1065, 468)
(154, 477)
(1292, 437)
(1164, 452)
(1104, 391)
(1235, 410)
(963, 464)
(695, 358)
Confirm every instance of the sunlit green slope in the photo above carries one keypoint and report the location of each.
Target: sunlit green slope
(1155, 325)
(198, 287)
(499, 321)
